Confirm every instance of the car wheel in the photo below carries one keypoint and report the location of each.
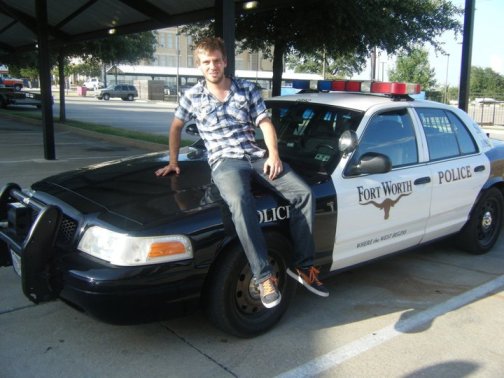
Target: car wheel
(130, 97)
(482, 229)
(17, 87)
(231, 301)
(106, 97)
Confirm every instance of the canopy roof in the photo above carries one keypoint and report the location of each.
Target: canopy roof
(78, 20)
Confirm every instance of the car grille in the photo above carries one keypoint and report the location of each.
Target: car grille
(67, 230)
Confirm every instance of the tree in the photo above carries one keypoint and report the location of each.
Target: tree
(414, 67)
(328, 67)
(486, 83)
(129, 48)
(343, 28)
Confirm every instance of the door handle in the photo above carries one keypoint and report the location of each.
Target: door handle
(479, 168)
(422, 180)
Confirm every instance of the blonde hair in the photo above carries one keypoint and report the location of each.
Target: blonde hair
(209, 44)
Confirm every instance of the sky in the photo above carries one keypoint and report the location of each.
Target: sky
(487, 49)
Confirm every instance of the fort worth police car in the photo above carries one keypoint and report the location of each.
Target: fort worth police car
(388, 173)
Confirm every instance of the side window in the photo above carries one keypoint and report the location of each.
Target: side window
(308, 134)
(446, 135)
(390, 134)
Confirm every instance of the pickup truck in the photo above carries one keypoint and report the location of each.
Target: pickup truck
(17, 84)
(10, 96)
(93, 84)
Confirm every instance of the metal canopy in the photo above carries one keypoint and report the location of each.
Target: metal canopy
(45, 24)
(77, 20)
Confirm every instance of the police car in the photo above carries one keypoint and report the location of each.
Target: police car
(389, 173)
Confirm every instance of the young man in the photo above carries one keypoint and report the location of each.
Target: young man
(227, 110)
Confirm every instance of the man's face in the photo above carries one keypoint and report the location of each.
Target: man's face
(212, 65)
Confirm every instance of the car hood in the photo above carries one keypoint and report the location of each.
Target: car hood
(126, 192)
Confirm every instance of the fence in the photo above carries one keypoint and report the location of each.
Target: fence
(487, 113)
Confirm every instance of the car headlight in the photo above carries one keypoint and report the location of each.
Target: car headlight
(126, 250)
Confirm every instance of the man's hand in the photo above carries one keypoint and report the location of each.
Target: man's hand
(273, 167)
(168, 169)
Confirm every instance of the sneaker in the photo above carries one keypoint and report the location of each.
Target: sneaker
(270, 296)
(308, 277)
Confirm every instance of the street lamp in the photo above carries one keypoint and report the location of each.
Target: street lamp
(446, 78)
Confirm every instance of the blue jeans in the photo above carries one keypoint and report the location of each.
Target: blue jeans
(233, 179)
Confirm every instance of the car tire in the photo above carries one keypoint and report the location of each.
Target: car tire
(230, 300)
(482, 230)
(17, 87)
(106, 97)
(130, 97)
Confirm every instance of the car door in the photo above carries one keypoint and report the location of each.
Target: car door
(382, 213)
(458, 170)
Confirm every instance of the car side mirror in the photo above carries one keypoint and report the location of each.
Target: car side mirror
(347, 142)
(191, 128)
(371, 163)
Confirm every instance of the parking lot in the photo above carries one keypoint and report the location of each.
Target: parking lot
(432, 312)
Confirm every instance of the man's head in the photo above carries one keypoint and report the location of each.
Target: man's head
(210, 57)
(207, 45)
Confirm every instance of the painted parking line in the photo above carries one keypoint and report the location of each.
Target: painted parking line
(370, 341)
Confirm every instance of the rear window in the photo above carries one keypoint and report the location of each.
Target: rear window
(446, 134)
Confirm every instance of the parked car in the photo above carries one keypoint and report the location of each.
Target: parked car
(124, 91)
(7, 81)
(9, 96)
(388, 173)
(93, 84)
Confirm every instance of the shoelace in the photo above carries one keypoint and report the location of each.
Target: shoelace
(313, 275)
(268, 286)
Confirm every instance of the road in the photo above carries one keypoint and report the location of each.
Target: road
(147, 116)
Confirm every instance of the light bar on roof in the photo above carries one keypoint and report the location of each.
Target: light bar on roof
(394, 88)
(361, 86)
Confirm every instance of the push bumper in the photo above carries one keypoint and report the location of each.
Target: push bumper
(27, 238)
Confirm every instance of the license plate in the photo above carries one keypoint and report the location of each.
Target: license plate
(16, 263)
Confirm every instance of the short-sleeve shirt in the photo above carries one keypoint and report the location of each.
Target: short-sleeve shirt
(227, 127)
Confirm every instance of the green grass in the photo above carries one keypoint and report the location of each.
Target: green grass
(95, 127)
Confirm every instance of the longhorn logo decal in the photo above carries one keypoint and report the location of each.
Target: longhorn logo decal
(374, 195)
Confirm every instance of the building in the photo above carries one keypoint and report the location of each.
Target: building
(174, 59)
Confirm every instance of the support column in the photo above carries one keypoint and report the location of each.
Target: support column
(225, 28)
(45, 80)
(465, 69)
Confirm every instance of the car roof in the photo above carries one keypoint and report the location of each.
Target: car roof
(349, 100)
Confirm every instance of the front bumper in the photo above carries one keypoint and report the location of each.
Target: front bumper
(29, 239)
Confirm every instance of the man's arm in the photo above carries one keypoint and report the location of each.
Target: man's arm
(175, 132)
(273, 165)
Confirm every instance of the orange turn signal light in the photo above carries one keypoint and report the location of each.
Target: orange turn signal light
(166, 249)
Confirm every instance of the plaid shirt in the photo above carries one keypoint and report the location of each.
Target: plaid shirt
(227, 127)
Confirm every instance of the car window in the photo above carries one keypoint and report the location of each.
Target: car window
(308, 134)
(391, 134)
(446, 134)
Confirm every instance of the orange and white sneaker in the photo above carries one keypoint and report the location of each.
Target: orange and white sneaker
(308, 277)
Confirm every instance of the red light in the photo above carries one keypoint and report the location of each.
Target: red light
(353, 86)
(395, 88)
(338, 85)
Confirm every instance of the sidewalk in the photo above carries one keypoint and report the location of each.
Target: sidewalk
(22, 150)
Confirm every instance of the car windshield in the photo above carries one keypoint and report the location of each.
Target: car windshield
(308, 134)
